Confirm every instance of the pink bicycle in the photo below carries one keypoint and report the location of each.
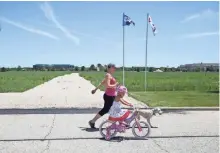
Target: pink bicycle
(112, 128)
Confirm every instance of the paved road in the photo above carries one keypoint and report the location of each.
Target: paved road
(186, 132)
(38, 127)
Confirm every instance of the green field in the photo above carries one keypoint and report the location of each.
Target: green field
(166, 81)
(177, 98)
(164, 89)
(168, 88)
(19, 81)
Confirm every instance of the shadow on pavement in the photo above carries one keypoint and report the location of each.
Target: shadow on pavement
(184, 136)
(70, 110)
(89, 129)
(15, 111)
(115, 138)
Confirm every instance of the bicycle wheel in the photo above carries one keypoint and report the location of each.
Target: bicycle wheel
(102, 129)
(144, 127)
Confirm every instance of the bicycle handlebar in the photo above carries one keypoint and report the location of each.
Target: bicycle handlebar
(134, 108)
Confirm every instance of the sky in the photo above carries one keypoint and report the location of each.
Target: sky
(85, 33)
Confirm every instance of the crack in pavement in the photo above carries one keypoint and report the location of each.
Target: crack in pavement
(160, 146)
(51, 127)
(49, 132)
(47, 147)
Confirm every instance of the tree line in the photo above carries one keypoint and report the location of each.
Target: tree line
(100, 67)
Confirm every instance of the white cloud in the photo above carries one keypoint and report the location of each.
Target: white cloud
(205, 14)
(98, 38)
(50, 15)
(26, 28)
(203, 34)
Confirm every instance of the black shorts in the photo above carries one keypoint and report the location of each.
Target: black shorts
(108, 101)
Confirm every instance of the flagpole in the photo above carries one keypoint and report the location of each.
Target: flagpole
(145, 81)
(123, 52)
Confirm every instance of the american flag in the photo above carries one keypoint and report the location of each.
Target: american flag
(153, 27)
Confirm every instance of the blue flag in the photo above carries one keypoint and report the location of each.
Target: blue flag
(127, 20)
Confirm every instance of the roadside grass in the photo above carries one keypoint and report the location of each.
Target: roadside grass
(20, 81)
(177, 98)
(168, 89)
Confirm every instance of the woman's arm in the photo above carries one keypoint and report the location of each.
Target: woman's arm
(101, 83)
(106, 81)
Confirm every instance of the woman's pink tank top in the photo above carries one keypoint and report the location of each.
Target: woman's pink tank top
(111, 91)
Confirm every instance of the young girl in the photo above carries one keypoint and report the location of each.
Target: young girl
(116, 113)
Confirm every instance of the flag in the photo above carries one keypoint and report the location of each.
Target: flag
(153, 27)
(127, 20)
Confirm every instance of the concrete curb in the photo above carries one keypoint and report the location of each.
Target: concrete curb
(69, 110)
(186, 108)
(98, 108)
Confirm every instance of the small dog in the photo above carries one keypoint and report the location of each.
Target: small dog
(148, 114)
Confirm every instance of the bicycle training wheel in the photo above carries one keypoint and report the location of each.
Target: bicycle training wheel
(145, 129)
(103, 126)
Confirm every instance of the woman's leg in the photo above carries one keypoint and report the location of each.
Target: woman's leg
(95, 119)
(108, 101)
(107, 105)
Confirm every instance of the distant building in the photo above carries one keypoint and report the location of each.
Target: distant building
(53, 66)
(158, 70)
(200, 66)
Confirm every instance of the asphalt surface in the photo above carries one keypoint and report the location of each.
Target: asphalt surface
(53, 118)
(183, 132)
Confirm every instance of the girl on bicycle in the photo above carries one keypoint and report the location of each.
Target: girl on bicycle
(116, 113)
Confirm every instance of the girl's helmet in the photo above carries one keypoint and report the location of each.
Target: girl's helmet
(121, 89)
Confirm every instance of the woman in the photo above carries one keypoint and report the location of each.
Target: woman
(110, 92)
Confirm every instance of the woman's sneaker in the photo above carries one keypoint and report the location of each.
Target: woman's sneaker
(92, 125)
